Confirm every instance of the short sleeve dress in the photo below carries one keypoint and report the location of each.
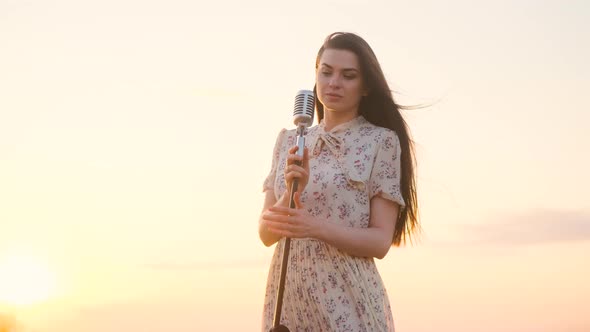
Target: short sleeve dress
(327, 289)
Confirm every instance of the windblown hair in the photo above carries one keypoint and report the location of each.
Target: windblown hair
(379, 108)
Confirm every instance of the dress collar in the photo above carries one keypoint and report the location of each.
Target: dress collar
(358, 120)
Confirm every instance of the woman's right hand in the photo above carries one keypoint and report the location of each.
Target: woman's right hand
(294, 171)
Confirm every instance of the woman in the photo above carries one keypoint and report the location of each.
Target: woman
(356, 197)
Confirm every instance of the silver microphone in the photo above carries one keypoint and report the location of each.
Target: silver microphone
(303, 118)
(304, 107)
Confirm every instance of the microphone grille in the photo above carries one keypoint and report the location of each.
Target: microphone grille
(304, 108)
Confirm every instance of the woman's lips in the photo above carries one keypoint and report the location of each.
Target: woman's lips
(333, 95)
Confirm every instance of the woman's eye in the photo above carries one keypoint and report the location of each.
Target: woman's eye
(326, 73)
(349, 77)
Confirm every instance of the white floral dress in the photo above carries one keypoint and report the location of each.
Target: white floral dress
(325, 288)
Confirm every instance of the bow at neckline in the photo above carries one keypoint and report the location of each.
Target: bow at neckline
(332, 142)
(336, 145)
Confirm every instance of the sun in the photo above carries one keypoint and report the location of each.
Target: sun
(25, 280)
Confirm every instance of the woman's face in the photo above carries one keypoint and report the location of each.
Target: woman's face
(339, 82)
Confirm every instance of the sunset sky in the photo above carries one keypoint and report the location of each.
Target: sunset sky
(135, 136)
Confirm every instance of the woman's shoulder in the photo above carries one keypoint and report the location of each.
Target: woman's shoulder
(376, 133)
(286, 137)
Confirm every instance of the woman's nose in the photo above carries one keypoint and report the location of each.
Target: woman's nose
(334, 81)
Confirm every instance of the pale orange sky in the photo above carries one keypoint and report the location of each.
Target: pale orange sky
(135, 136)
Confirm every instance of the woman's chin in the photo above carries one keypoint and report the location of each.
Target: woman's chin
(333, 106)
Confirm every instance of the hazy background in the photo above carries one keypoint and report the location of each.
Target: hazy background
(135, 136)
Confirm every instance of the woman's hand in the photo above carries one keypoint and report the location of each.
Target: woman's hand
(294, 171)
(293, 223)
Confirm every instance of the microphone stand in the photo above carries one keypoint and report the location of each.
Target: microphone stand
(277, 326)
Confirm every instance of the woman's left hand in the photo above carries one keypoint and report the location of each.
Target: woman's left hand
(293, 223)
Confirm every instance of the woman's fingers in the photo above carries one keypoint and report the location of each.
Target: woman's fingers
(294, 175)
(293, 172)
(288, 222)
(295, 168)
(276, 217)
(283, 210)
(282, 233)
(294, 159)
(293, 156)
(297, 200)
(283, 229)
(280, 225)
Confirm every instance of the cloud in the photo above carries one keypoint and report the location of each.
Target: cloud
(532, 227)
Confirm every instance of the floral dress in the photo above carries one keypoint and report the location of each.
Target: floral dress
(327, 289)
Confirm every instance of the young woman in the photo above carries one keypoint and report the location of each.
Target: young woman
(356, 197)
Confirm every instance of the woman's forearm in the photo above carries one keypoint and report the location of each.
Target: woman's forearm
(266, 236)
(362, 242)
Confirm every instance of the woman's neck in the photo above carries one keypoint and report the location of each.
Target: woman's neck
(334, 118)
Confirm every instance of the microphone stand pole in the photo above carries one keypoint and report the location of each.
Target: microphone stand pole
(277, 327)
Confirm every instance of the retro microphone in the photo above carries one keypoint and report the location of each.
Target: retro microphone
(303, 118)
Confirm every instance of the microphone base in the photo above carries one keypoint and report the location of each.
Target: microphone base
(280, 328)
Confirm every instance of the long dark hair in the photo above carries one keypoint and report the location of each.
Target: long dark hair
(379, 108)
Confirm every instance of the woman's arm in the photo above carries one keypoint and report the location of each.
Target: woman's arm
(292, 172)
(373, 241)
(269, 238)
